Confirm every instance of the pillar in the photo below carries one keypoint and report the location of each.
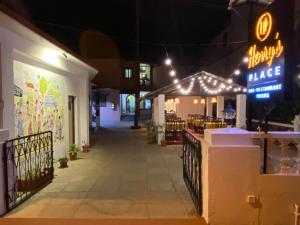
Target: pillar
(220, 106)
(297, 123)
(4, 135)
(241, 110)
(161, 118)
(209, 106)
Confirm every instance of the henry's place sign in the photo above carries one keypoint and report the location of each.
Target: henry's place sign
(265, 76)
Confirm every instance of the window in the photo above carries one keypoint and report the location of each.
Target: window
(128, 73)
(145, 74)
(146, 103)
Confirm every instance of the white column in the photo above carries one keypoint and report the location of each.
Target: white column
(296, 123)
(83, 116)
(220, 106)
(8, 89)
(3, 137)
(161, 117)
(209, 108)
(241, 110)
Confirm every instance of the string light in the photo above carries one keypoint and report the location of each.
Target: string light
(245, 59)
(237, 72)
(168, 61)
(172, 73)
(210, 84)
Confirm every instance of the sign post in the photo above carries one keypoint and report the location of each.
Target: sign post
(271, 63)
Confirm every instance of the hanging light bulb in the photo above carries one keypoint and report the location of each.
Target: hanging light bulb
(168, 61)
(178, 86)
(245, 59)
(172, 73)
(175, 81)
(229, 81)
(245, 90)
(237, 72)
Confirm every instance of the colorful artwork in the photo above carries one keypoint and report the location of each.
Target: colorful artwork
(39, 101)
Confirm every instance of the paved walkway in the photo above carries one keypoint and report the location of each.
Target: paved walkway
(121, 177)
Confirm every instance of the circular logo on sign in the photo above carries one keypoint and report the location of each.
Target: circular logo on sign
(264, 26)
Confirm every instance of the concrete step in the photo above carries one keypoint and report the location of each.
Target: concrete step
(46, 221)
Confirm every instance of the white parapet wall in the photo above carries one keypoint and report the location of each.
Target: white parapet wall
(234, 190)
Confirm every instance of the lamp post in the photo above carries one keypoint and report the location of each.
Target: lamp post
(137, 85)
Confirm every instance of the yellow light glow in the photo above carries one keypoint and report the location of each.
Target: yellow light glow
(264, 54)
(177, 100)
(202, 101)
(264, 26)
(195, 101)
(213, 100)
(267, 54)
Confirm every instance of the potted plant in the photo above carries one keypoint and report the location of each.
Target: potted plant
(63, 162)
(85, 147)
(161, 132)
(73, 152)
(32, 180)
(150, 133)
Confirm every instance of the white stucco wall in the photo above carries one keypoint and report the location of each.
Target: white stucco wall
(74, 78)
(230, 172)
(107, 114)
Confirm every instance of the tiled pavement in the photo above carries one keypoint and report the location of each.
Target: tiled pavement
(121, 177)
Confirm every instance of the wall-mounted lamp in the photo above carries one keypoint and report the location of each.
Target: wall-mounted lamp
(213, 100)
(177, 100)
(202, 101)
(195, 101)
(65, 55)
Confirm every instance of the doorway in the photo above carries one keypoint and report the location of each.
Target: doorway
(71, 110)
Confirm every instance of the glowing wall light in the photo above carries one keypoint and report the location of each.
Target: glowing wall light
(51, 57)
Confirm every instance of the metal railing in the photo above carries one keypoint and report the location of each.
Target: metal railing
(28, 166)
(192, 157)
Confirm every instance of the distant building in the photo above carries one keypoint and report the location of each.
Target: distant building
(114, 87)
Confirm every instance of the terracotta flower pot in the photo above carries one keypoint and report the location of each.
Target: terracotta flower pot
(73, 156)
(63, 164)
(85, 148)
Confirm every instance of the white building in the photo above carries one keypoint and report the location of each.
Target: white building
(44, 85)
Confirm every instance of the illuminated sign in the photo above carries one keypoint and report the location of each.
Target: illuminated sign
(264, 26)
(266, 66)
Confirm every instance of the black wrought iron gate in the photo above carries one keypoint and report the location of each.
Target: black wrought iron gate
(28, 166)
(192, 168)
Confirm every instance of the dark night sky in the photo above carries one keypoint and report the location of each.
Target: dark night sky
(177, 23)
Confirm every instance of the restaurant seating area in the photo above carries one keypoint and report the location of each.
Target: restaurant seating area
(174, 128)
(196, 123)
